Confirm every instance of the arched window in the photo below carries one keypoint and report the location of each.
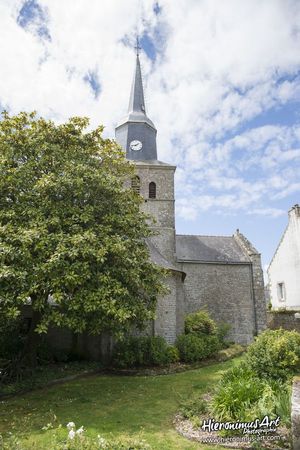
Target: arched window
(136, 184)
(152, 190)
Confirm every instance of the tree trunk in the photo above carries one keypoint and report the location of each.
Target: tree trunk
(32, 340)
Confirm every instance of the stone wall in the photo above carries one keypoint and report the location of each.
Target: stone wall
(285, 319)
(169, 313)
(162, 207)
(226, 291)
(257, 281)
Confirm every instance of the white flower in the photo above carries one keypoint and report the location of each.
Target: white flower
(70, 425)
(80, 430)
(71, 434)
(101, 441)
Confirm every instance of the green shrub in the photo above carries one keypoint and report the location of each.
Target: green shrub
(236, 392)
(213, 345)
(275, 354)
(143, 351)
(222, 333)
(11, 338)
(191, 348)
(274, 401)
(159, 352)
(173, 354)
(242, 395)
(200, 323)
(194, 348)
(283, 403)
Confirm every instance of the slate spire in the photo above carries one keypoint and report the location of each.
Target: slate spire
(137, 100)
(136, 133)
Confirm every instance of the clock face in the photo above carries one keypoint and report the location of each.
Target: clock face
(135, 145)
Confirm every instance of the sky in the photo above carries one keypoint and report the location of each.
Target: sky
(222, 86)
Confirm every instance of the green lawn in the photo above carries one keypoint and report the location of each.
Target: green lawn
(118, 405)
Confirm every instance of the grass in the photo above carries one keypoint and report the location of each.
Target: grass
(141, 406)
(45, 374)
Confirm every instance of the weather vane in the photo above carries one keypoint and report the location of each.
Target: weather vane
(137, 46)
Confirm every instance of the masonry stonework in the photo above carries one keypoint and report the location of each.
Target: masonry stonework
(169, 323)
(257, 281)
(283, 319)
(225, 291)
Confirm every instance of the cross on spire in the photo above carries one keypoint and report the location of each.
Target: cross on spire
(137, 46)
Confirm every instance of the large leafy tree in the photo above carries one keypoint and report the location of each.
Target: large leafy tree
(72, 237)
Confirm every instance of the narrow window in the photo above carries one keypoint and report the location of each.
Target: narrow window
(281, 292)
(152, 190)
(136, 184)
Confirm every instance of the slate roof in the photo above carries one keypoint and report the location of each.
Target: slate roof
(209, 249)
(158, 259)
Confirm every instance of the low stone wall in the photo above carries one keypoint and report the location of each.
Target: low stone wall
(296, 414)
(284, 319)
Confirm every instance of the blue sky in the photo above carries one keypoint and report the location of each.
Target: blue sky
(222, 85)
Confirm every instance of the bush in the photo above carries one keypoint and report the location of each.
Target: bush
(236, 392)
(222, 333)
(200, 323)
(143, 351)
(213, 345)
(275, 354)
(194, 348)
(241, 395)
(11, 339)
(173, 354)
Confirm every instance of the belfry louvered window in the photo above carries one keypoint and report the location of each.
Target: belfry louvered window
(152, 190)
(136, 184)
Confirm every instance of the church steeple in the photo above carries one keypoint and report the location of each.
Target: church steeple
(137, 101)
(137, 133)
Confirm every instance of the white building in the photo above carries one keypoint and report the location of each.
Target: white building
(284, 269)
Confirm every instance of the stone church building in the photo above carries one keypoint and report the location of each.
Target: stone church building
(219, 273)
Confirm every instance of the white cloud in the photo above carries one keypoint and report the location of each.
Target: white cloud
(271, 212)
(219, 66)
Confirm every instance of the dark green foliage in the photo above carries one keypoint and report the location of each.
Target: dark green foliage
(275, 354)
(212, 344)
(11, 339)
(222, 333)
(143, 351)
(200, 323)
(191, 348)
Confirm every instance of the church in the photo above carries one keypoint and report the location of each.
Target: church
(222, 274)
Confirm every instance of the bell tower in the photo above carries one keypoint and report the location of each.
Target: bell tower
(154, 180)
(136, 134)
